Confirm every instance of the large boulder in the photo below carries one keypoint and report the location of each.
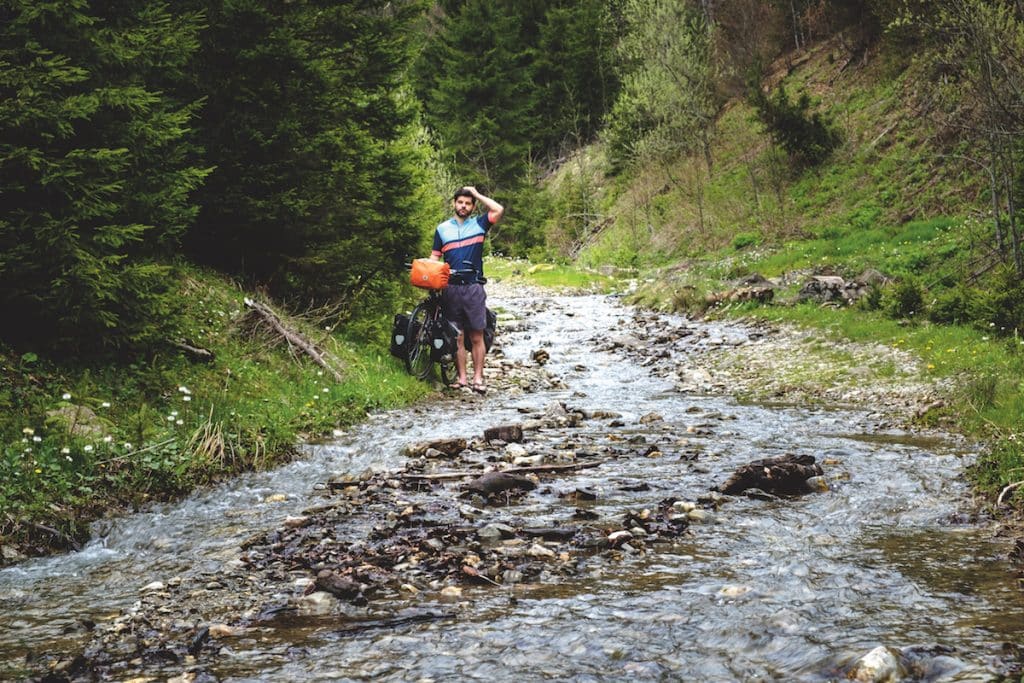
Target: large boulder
(786, 475)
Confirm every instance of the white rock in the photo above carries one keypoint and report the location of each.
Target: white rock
(318, 603)
(537, 550)
(515, 450)
(152, 587)
(451, 593)
(881, 665)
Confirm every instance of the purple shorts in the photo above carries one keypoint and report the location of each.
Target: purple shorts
(466, 306)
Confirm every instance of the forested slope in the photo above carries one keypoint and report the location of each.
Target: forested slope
(156, 157)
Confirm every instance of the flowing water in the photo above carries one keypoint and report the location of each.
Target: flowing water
(790, 589)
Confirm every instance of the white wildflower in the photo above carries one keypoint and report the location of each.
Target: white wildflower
(87, 448)
(127, 446)
(105, 404)
(37, 439)
(65, 450)
(28, 430)
(108, 439)
(184, 390)
(69, 458)
(66, 396)
(186, 398)
(179, 422)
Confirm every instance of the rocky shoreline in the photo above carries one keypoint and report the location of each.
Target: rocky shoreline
(387, 548)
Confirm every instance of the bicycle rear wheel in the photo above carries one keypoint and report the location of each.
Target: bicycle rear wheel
(417, 361)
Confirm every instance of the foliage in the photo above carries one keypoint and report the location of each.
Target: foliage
(976, 58)
(96, 170)
(316, 192)
(808, 137)
(668, 101)
(903, 299)
(508, 86)
(75, 439)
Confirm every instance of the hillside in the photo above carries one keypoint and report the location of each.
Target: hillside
(897, 199)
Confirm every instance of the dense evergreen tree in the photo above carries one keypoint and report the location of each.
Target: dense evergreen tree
(307, 126)
(95, 169)
(507, 85)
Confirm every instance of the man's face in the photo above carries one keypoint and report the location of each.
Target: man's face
(463, 206)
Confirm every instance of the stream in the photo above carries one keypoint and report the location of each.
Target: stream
(761, 588)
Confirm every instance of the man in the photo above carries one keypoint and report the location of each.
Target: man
(460, 242)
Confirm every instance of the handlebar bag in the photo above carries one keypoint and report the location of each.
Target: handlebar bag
(430, 274)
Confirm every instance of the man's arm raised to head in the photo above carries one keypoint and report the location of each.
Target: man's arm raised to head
(494, 210)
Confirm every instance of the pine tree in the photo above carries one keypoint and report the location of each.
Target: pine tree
(96, 170)
(307, 124)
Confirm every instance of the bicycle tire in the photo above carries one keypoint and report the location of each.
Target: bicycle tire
(417, 361)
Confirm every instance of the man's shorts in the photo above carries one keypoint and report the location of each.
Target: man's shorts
(466, 306)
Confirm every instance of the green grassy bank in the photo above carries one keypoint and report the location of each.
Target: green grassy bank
(81, 441)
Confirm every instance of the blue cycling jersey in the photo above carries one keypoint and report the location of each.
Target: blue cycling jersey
(462, 244)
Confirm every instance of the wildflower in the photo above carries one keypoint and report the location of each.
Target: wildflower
(65, 450)
(66, 396)
(105, 404)
(184, 390)
(170, 418)
(28, 430)
(931, 366)
(108, 439)
(68, 458)
(325, 390)
(186, 398)
(319, 373)
(38, 471)
(37, 439)
(174, 413)
(984, 339)
(179, 422)
(87, 448)
(127, 446)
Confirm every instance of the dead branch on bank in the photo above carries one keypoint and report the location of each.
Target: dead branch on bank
(262, 316)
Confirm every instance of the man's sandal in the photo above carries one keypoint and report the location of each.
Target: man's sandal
(479, 388)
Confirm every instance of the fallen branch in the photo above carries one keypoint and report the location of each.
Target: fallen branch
(536, 469)
(1007, 489)
(196, 352)
(293, 338)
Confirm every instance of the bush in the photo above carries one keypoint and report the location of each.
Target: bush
(952, 307)
(905, 299)
(745, 239)
(807, 137)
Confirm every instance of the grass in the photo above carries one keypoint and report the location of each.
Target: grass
(557, 275)
(77, 441)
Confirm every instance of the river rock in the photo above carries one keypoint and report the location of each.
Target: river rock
(449, 447)
(881, 665)
(510, 433)
(785, 474)
(496, 482)
(318, 603)
(514, 450)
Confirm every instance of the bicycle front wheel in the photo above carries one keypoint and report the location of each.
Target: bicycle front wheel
(417, 361)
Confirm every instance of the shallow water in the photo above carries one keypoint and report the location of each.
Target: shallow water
(791, 589)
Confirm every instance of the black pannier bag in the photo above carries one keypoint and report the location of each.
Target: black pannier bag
(490, 329)
(444, 338)
(399, 344)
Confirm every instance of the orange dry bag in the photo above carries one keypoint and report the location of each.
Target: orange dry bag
(430, 274)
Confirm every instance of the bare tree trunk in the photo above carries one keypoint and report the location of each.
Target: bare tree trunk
(1011, 212)
(996, 196)
(796, 25)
